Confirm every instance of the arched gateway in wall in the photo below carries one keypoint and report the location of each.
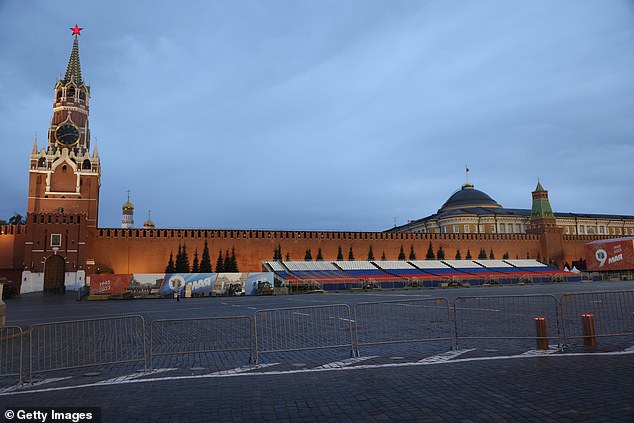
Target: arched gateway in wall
(54, 269)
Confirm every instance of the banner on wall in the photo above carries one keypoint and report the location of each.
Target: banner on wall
(109, 284)
(199, 284)
(254, 279)
(610, 254)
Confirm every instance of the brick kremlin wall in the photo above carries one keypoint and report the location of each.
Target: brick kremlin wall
(148, 250)
(12, 240)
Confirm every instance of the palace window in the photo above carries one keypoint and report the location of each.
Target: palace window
(456, 229)
(467, 229)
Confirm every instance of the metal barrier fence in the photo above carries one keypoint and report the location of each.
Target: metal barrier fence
(200, 335)
(404, 321)
(11, 351)
(597, 314)
(85, 343)
(303, 328)
(506, 317)
(476, 320)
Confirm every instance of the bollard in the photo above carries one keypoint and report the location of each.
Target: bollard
(589, 339)
(542, 334)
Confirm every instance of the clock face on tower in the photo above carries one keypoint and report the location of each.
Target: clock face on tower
(67, 135)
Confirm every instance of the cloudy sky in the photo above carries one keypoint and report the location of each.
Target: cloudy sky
(329, 115)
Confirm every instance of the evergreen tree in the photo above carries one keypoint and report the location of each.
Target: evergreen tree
(491, 255)
(308, 256)
(233, 261)
(440, 255)
(220, 264)
(205, 261)
(482, 255)
(350, 255)
(383, 256)
(17, 219)
(195, 268)
(182, 261)
(185, 259)
(277, 253)
(430, 253)
(412, 254)
(339, 254)
(370, 254)
(320, 256)
(401, 254)
(171, 268)
(505, 256)
(227, 262)
(468, 256)
(458, 256)
(179, 256)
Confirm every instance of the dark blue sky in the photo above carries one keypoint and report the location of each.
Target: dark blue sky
(342, 115)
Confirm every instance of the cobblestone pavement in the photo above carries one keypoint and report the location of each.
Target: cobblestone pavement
(484, 381)
(579, 388)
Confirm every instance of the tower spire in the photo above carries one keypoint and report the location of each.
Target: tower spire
(73, 71)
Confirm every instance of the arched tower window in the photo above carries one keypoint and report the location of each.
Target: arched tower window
(59, 94)
(86, 165)
(64, 168)
(70, 92)
(41, 162)
(82, 95)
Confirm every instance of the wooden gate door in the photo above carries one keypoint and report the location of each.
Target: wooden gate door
(54, 275)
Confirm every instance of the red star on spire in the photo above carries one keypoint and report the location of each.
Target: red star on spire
(76, 30)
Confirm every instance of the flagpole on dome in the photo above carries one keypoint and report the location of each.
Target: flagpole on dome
(467, 173)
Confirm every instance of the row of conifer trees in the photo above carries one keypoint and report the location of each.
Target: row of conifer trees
(226, 263)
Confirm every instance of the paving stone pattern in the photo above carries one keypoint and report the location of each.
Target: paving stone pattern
(483, 381)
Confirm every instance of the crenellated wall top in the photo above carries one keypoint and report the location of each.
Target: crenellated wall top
(297, 235)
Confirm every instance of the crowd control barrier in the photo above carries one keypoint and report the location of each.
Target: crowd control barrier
(86, 343)
(303, 328)
(171, 337)
(506, 317)
(587, 316)
(405, 321)
(11, 352)
(487, 323)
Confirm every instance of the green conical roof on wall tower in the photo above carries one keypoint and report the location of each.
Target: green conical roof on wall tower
(73, 71)
(541, 205)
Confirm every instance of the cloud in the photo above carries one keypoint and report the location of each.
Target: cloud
(330, 115)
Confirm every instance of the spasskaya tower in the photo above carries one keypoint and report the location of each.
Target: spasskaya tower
(64, 175)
